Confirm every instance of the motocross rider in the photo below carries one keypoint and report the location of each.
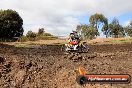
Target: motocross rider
(71, 37)
(74, 37)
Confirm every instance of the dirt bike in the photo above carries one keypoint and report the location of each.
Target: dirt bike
(74, 46)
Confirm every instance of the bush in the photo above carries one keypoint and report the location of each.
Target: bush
(47, 34)
(23, 39)
(31, 36)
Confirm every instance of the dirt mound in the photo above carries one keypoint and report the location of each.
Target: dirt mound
(46, 66)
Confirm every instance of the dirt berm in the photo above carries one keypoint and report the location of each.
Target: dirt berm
(46, 66)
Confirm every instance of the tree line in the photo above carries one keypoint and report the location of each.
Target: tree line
(100, 22)
(11, 27)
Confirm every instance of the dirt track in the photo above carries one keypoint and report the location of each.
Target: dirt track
(47, 67)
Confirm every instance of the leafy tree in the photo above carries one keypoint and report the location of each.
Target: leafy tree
(91, 32)
(41, 31)
(99, 20)
(128, 29)
(116, 29)
(80, 30)
(31, 35)
(87, 31)
(10, 24)
(105, 30)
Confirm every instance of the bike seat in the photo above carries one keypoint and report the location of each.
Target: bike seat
(73, 43)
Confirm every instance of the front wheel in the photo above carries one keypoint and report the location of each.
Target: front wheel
(85, 47)
(64, 49)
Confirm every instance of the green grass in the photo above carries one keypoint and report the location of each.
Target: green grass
(122, 41)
